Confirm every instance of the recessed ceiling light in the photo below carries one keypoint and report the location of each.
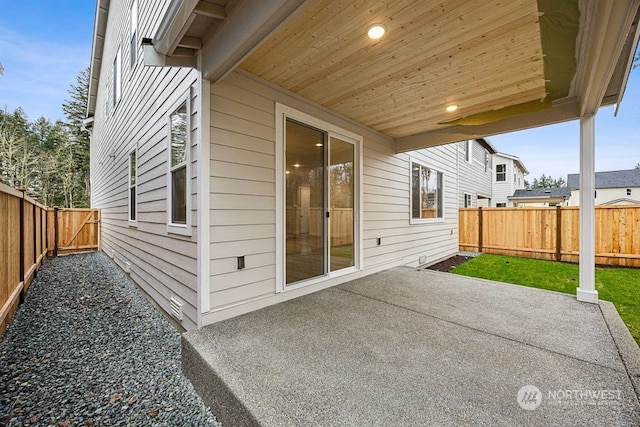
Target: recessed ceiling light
(376, 31)
(319, 144)
(287, 172)
(451, 108)
(297, 165)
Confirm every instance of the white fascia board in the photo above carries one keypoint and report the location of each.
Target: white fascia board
(604, 40)
(97, 49)
(174, 25)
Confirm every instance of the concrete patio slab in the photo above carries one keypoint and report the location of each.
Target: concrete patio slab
(407, 347)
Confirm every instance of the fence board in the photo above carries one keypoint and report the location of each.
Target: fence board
(552, 233)
(10, 283)
(27, 236)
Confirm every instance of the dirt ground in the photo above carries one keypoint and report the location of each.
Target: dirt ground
(449, 264)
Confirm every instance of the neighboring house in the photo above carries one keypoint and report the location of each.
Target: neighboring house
(247, 153)
(541, 197)
(475, 172)
(612, 187)
(508, 176)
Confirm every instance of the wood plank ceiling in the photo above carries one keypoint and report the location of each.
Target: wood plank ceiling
(480, 55)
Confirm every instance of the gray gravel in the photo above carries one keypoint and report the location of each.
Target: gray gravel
(87, 349)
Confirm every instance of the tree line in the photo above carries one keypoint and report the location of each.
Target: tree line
(49, 160)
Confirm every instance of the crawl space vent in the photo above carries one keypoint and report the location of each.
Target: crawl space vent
(176, 308)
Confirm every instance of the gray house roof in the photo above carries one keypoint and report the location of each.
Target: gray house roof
(609, 179)
(537, 193)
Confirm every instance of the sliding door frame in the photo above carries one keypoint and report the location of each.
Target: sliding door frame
(283, 113)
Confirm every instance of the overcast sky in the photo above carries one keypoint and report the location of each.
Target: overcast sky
(46, 43)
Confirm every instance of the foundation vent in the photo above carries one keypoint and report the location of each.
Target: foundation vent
(176, 308)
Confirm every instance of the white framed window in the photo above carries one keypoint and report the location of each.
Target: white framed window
(133, 187)
(467, 200)
(468, 150)
(427, 197)
(501, 205)
(178, 174)
(501, 172)
(133, 30)
(117, 77)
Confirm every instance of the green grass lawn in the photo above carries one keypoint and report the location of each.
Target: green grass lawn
(621, 286)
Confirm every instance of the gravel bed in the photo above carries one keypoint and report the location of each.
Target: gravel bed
(87, 349)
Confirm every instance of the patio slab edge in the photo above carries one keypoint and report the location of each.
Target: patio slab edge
(626, 345)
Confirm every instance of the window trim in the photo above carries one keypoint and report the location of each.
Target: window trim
(503, 172)
(133, 35)
(468, 155)
(487, 161)
(440, 219)
(178, 228)
(469, 196)
(133, 221)
(117, 78)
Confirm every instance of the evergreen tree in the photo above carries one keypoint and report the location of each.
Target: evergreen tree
(75, 110)
(49, 160)
(547, 182)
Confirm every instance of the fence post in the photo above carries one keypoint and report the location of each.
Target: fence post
(558, 233)
(21, 242)
(480, 232)
(55, 231)
(35, 238)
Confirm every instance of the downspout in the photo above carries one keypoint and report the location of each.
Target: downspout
(203, 290)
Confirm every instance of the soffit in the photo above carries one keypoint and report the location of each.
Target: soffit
(480, 55)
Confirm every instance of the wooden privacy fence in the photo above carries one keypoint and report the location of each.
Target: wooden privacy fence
(551, 233)
(311, 221)
(29, 232)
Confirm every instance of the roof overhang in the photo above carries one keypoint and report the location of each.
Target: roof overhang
(487, 145)
(97, 48)
(538, 199)
(516, 160)
(491, 59)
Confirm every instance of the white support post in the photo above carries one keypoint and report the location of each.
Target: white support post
(587, 290)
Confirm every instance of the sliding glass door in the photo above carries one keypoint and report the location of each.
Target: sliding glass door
(319, 219)
(341, 191)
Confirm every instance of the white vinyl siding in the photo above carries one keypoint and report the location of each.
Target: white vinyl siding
(473, 178)
(505, 167)
(243, 197)
(163, 264)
